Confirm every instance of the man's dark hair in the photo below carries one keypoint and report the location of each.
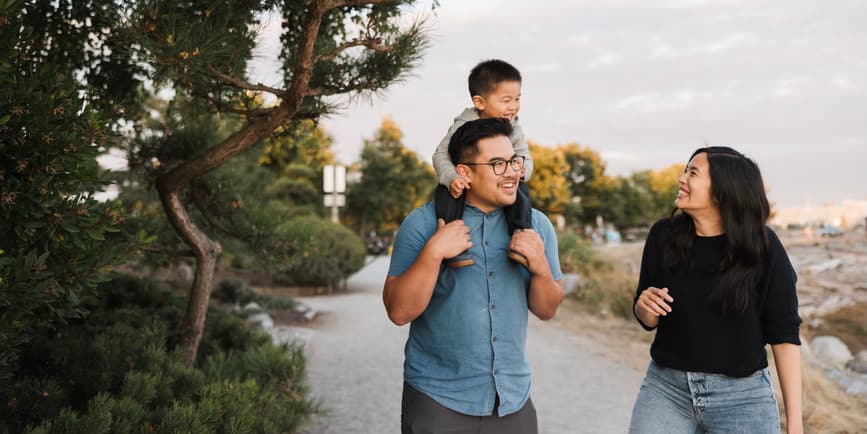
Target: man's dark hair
(463, 146)
(488, 74)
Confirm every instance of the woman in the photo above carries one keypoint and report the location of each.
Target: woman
(717, 285)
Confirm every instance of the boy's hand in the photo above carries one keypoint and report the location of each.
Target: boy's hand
(457, 186)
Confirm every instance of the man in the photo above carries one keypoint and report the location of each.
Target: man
(466, 369)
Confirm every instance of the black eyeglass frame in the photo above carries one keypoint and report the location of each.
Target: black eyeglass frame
(517, 163)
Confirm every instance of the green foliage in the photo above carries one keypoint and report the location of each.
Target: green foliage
(394, 181)
(317, 252)
(121, 371)
(342, 71)
(58, 242)
(603, 287)
(238, 291)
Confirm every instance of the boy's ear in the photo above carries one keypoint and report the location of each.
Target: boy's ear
(478, 102)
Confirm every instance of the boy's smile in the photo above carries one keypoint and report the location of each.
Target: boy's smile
(503, 102)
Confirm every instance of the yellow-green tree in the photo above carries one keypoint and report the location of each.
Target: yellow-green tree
(589, 186)
(394, 181)
(549, 191)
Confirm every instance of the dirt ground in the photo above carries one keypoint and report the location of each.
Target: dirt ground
(832, 291)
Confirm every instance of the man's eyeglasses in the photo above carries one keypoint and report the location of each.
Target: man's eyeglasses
(499, 166)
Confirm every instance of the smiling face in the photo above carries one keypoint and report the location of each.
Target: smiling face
(694, 192)
(490, 191)
(503, 102)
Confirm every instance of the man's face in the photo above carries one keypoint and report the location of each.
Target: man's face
(504, 102)
(489, 191)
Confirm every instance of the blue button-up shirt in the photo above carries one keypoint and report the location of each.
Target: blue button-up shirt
(468, 346)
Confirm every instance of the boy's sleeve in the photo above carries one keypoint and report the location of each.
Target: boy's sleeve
(442, 162)
(519, 142)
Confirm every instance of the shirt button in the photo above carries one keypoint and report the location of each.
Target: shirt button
(490, 273)
(496, 371)
(493, 306)
(494, 339)
(486, 243)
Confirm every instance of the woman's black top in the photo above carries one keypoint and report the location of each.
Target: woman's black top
(695, 336)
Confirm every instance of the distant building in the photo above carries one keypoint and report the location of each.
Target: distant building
(845, 215)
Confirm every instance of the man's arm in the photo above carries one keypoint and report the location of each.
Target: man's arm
(545, 294)
(406, 296)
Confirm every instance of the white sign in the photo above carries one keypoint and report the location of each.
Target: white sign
(335, 200)
(328, 179)
(334, 178)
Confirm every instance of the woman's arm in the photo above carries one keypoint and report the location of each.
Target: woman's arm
(787, 358)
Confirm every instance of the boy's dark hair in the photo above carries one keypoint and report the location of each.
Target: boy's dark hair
(488, 74)
(463, 146)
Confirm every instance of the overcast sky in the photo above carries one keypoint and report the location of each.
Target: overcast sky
(647, 82)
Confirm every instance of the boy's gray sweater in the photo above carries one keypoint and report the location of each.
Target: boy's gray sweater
(443, 163)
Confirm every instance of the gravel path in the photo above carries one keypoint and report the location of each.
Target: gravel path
(355, 368)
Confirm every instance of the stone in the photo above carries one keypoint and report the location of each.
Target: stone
(858, 363)
(262, 320)
(831, 350)
(252, 307)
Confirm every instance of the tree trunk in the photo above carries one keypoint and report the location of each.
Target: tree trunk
(170, 183)
(206, 252)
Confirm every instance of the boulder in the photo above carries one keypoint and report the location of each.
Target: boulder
(252, 307)
(262, 320)
(831, 350)
(859, 363)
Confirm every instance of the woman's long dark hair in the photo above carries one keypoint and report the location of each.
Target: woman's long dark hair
(736, 187)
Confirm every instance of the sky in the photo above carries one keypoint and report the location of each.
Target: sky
(645, 83)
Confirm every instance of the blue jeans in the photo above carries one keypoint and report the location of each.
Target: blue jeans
(672, 401)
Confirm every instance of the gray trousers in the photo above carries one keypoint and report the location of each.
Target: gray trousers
(420, 414)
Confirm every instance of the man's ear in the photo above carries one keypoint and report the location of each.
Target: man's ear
(478, 102)
(464, 171)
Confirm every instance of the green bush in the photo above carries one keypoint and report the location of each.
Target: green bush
(238, 291)
(603, 288)
(319, 252)
(120, 370)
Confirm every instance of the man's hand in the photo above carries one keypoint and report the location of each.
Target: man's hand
(528, 243)
(450, 239)
(458, 185)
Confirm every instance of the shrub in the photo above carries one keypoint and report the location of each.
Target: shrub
(120, 371)
(603, 287)
(319, 252)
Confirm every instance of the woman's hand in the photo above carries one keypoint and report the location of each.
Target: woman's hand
(652, 303)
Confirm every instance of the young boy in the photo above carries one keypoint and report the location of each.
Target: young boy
(495, 89)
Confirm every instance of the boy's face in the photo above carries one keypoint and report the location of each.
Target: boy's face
(503, 102)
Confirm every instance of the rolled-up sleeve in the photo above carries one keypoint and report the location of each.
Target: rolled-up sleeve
(780, 319)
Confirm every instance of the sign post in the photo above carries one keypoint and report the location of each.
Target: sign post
(334, 185)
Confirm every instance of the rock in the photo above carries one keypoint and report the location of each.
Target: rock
(252, 307)
(183, 273)
(859, 363)
(262, 320)
(824, 266)
(570, 282)
(830, 350)
(291, 335)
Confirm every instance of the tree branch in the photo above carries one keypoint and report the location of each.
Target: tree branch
(370, 42)
(344, 3)
(243, 84)
(196, 190)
